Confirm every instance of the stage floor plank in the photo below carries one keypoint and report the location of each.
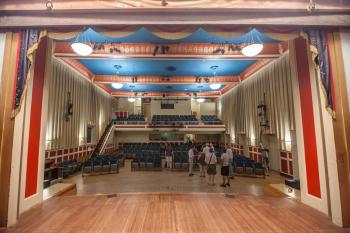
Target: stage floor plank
(172, 212)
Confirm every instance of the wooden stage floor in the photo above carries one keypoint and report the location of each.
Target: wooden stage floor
(172, 212)
(168, 201)
(168, 181)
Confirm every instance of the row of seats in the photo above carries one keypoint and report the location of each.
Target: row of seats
(131, 119)
(134, 148)
(68, 167)
(147, 160)
(246, 166)
(211, 120)
(102, 164)
(171, 119)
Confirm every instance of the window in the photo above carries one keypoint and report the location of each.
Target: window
(166, 106)
(90, 132)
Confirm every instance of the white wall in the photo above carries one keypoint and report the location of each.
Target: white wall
(182, 107)
(125, 106)
(122, 137)
(208, 108)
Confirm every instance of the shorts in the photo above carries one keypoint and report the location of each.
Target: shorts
(225, 170)
(211, 169)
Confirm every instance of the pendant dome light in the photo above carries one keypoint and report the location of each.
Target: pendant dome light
(81, 45)
(131, 99)
(200, 100)
(253, 45)
(215, 86)
(117, 85)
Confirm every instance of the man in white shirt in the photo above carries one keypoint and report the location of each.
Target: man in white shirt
(225, 161)
(191, 154)
(206, 149)
(230, 155)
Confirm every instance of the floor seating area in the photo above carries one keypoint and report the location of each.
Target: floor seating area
(69, 167)
(132, 119)
(245, 166)
(174, 120)
(211, 120)
(102, 164)
(145, 156)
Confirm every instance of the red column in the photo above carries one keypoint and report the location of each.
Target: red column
(35, 120)
(307, 115)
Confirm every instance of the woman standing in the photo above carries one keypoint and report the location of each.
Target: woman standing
(211, 161)
(202, 164)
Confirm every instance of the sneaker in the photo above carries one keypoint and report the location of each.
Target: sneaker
(190, 174)
(228, 184)
(223, 185)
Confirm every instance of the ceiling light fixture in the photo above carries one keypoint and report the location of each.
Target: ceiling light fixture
(117, 85)
(81, 49)
(215, 86)
(200, 100)
(131, 99)
(81, 46)
(253, 45)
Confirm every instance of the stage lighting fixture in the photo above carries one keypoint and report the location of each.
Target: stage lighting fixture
(155, 50)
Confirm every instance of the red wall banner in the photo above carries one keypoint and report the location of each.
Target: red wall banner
(35, 120)
(307, 114)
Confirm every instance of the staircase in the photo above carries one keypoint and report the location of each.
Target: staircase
(103, 140)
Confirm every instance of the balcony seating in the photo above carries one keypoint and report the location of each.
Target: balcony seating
(211, 120)
(132, 119)
(174, 120)
(102, 164)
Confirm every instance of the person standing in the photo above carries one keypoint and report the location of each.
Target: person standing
(265, 158)
(191, 154)
(211, 161)
(225, 160)
(230, 156)
(202, 164)
(206, 149)
(169, 156)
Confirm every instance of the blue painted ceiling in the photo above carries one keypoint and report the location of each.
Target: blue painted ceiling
(145, 36)
(166, 87)
(158, 67)
(166, 67)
